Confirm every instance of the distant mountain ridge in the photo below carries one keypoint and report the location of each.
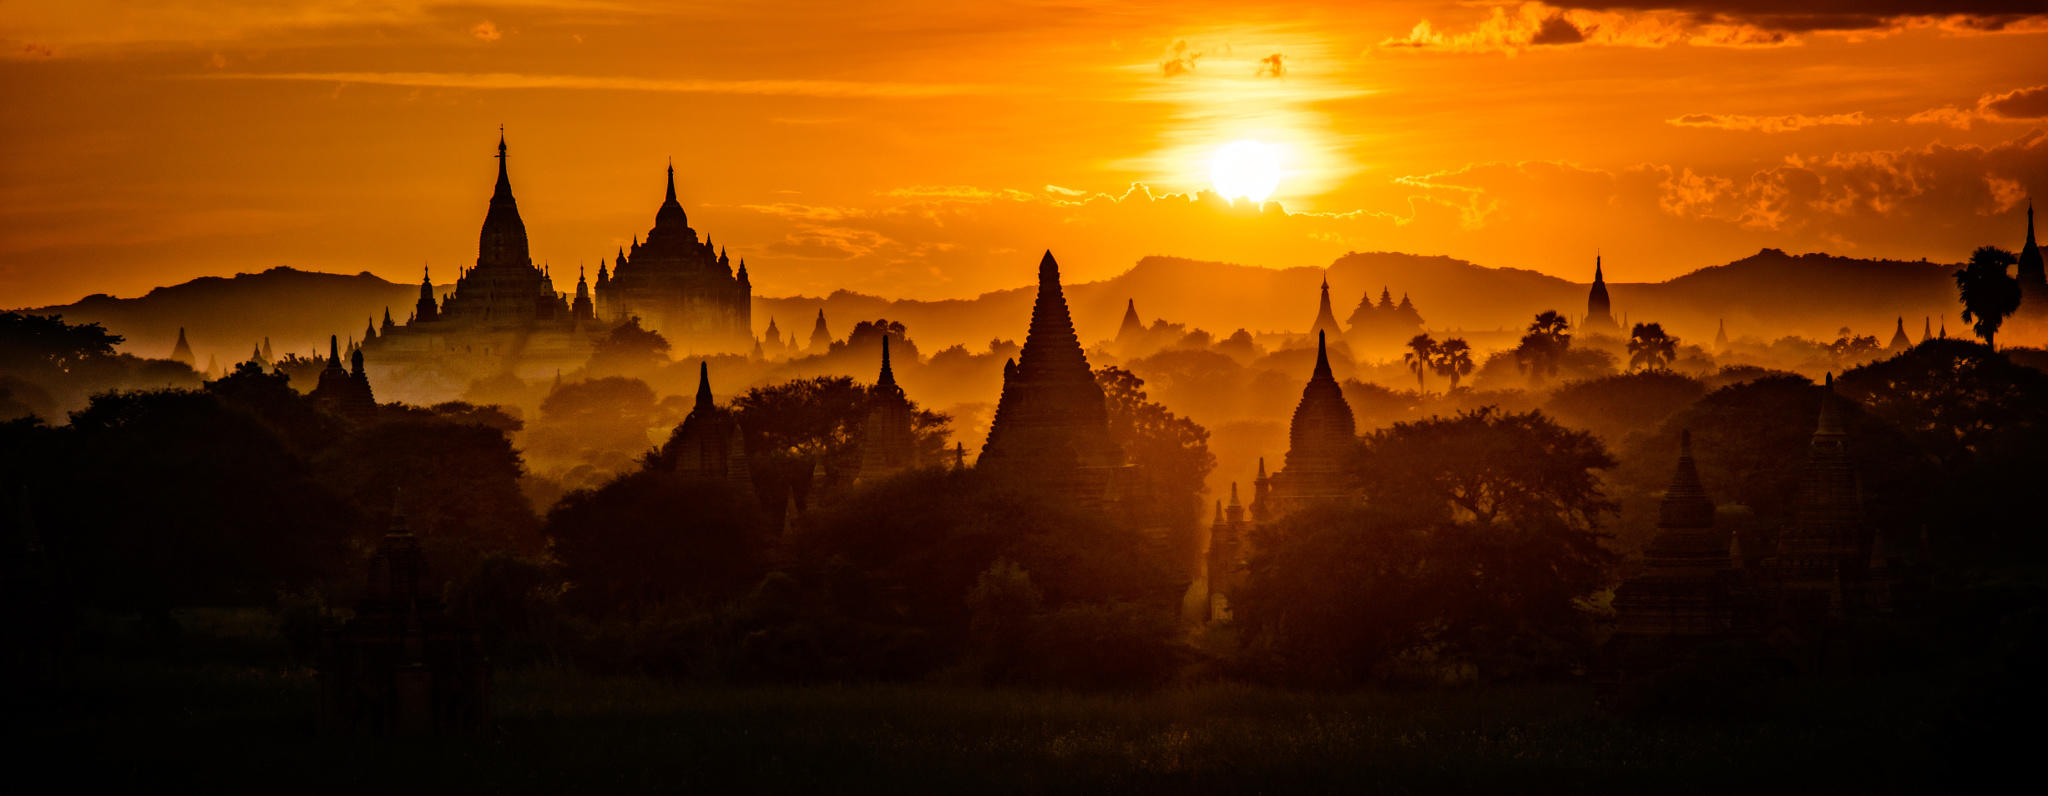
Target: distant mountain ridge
(1768, 294)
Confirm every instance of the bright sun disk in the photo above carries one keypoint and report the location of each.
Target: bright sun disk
(1245, 168)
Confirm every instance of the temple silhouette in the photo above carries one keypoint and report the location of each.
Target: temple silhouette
(1051, 426)
(1599, 311)
(679, 285)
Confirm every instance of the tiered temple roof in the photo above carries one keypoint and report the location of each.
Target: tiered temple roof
(1320, 439)
(1051, 418)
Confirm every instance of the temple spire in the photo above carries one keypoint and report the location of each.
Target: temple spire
(671, 182)
(1322, 358)
(886, 381)
(334, 350)
(504, 188)
(704, 402)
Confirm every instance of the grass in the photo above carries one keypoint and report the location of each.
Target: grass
(253, 725)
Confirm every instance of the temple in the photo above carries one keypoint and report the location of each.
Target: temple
(821, 338)
(1688, 592)
(2032, 275)
(1385, 324)
(1131, 329)
(681, 286)
(1051, 425)
(503, 315)
(345, 392)
(1320, 440)
(1326, 321)
(402, 666)
(887, 446)
(1226, 561)
(708, 445)
(182, 352)
(1599, 312)
(1900, 342)
(1824, 570)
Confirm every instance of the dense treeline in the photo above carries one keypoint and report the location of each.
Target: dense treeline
(1484, 545)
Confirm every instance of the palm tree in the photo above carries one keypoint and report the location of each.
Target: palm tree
(1453, 360)
(1988, 294)
(1650, 347)
(1543, 348)
(1420, 349)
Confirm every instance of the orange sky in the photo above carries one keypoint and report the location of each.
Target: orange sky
(930, 149)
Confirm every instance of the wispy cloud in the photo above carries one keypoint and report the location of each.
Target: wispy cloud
(1769, 124)
(514, 80)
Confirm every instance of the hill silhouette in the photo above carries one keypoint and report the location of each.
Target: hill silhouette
(1765, 295)
(226, 316)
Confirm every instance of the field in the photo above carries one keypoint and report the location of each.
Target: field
(252, 726)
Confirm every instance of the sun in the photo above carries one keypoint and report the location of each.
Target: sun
(1247, 169)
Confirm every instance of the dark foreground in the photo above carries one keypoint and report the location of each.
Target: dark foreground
(217, 725)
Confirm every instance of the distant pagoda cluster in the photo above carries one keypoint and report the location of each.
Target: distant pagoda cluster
(504, 314)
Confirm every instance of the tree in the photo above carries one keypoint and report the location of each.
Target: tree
(797, 425)
(648, 538)
(1619, 405)
(1171, 453)
(1420, 349)
(1987, 292)
(1543, 348)
(1487, 467)
(1848, 346)
(458, 484)
(1649, 347)
(1452, 360)
(34, 344)
(629, 349)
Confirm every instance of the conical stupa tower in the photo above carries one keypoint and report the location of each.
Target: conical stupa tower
(1320, 441)
(182, 351)
(1131, 329)
(1326, 320)
(1820, 563)
(1052, 421)
(1599, 311)
(1900, 342)
(886, 445)
(1688, 591)
(2032, 275)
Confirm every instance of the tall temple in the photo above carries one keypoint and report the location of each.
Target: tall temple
(1821, 571)
(1051, 425)
(680, 286)
(1320, 441)
(887, 446)
(1131, 329)
(709, 445)
(1227, 560)
(503, 315)
(1900, 342)
(182, 351)
(401, 665)
(2033, 276)
(1599, 312)
(821, 338)
(1326, 320)
(1689, 591)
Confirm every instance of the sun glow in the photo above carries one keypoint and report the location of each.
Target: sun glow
(1247, 169)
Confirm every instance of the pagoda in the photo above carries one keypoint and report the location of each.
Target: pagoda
(1052, 424)
(1688, 592)
(887, 446)
(1599, 311)
(1320, 441)
(681, 285)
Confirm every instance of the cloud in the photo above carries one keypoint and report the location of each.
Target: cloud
(1768, 124)
(1776, 15)
(2017, 105)
(512, 80)
(1511, 28)
(2025, 103)
(1541, 25)
(1274, 65)
(1557, 30)
(1180, 60)
(486, 31)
